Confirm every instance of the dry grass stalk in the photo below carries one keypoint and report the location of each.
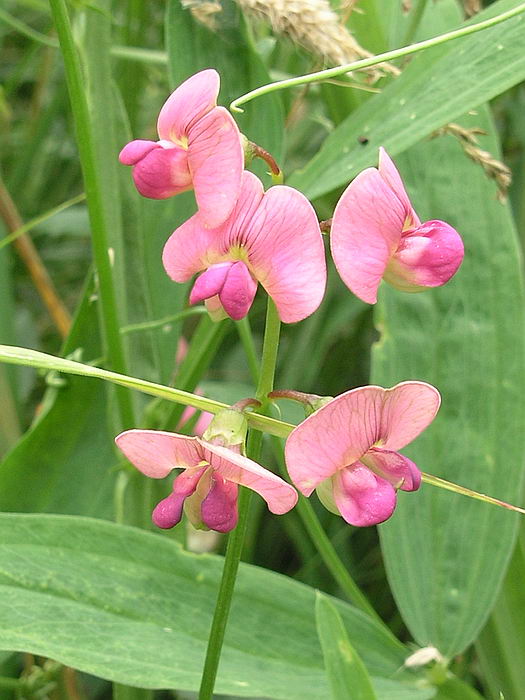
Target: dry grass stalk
(494, 168)
(346, 7)
(204, 11)
(472, 7)
(310, 23)
(315, 26)
(25, 248)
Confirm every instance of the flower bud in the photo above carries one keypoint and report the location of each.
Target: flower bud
(228, 429)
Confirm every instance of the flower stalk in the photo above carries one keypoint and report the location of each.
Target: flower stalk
(236, 538)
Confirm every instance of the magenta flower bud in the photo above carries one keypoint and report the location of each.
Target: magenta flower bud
(427, 256)
(348, 449)
(232, 282)
(376, 234)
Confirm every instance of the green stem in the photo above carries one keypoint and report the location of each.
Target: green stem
(224, 597)
(245, 334)
(40, 219)
(32, 358)
(374, 60)
(269, 354)
(307, 514)
(464, 491)
(415, 19)
(324, 546)
(236, 538)
(330, 557)
(166, 320)
(94, 195)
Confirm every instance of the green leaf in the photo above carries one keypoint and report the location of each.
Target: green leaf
(454, 689)
(33, 358)
(446, 555)
(347, 675)
(434, 89)
(501, 645)
(133, 607)
(67, 454)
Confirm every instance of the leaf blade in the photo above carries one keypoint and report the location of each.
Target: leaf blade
(131, 606)
(346, 672)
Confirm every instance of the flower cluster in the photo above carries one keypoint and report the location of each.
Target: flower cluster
(241, 236)
(355, 467)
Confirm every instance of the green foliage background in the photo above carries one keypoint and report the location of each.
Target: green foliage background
(133, 607)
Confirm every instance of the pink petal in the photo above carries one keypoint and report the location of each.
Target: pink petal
(155, 452)
(409, 407)
(194, 98)
(366, 230)
(427, 257)
(216, 161)
(334, 437)
(188, 250)
(182, 351)
(397, 469)
(280, 496)
(192, 247)
(135, 151)
(286, 252)
(391, 176)
(362, 497)
(219, 507)
(168, 512)
(162, 172)
(202, 423)
(238, 292)
(210, 282)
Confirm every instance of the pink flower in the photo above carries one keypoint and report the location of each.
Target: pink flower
(347, 449)
(200, 147)
(272, 238)
(376, 234)
(207, 487)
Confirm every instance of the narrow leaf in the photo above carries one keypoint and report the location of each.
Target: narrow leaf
(33, 358)
(347, 675)
(501, 646)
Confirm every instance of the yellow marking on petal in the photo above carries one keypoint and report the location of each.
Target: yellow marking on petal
(239, 252)
(182, 141)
